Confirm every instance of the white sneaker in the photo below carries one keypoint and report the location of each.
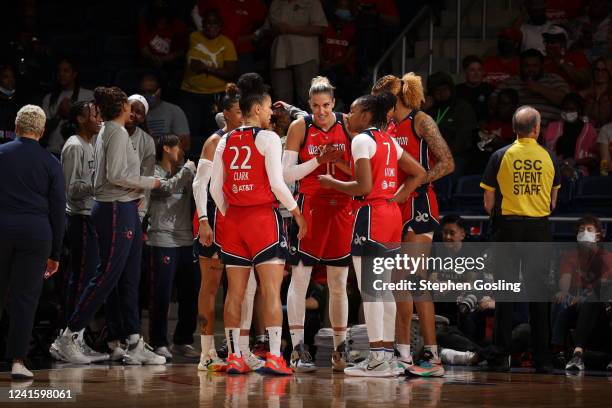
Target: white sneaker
(141, 353)
(70, 351)
(371, 367)
(301, 361)
(212, 362)
(92, 354)
(118, 350)
(163, 351)
(185, 350)
(20, 372)
(255, 363)
(454, 357)
(54, 349)
(399, 366)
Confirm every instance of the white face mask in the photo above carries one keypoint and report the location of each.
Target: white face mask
(586, 236)
(7, 92)
(570, 117)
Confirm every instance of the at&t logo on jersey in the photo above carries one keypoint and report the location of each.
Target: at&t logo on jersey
(384, 185)
(242, 188)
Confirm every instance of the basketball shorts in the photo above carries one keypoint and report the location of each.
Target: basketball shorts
(215, 220)
(330, 229)
(252, 235)
(420, 213)
(377, 230)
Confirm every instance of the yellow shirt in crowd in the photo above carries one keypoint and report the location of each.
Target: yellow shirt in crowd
(215, 53)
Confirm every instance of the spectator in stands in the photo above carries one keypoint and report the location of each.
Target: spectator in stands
(296, 26)
(32, 221)
(56, 104)
(455, 119)
(241, 20)
(9, 104)
(593, 32)
(534, 25)
(572, 66)
(573, 138)
(211, 63)
(162, 37)
(598, 96)
(536, 88)
(505, 64)
(163, 117)
(338, 51)
(581, 281)
(563, 11)
(474, 90)
(605, 149)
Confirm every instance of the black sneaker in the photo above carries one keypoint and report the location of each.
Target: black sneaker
(301, 361)
(576, 363)
(559, 360)
(499, 364)
(341, 357)
(223, 351)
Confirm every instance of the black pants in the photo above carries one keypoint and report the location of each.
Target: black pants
(22, 265)
(535, 272)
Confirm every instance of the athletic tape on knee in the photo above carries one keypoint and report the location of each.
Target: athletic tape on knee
(296, 295)
(338, 300)
(246, 312)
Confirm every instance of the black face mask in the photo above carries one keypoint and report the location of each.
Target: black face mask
(538, 19)
(505, 47)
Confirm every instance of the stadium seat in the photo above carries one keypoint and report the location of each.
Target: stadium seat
(468, 195)
(71, 45)
(566, 193)
(444, 191)
(594, 194)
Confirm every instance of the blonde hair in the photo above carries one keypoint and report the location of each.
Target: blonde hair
(30, 120)
(409, 89)
(320, 84)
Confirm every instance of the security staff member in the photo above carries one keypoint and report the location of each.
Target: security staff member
(521, 182)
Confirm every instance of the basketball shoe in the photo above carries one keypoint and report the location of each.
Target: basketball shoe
(301, 361)
(427, 367)
(212, 362)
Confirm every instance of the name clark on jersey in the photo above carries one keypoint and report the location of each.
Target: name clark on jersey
(241, 176)
(315, 150)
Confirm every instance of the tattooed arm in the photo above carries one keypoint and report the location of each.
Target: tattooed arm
(427, 129)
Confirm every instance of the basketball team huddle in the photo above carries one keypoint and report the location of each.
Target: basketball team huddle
(361, 177)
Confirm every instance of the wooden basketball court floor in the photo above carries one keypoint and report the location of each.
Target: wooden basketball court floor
(181, 385)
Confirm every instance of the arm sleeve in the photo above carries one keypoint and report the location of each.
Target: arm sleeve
(362, 147)
(57, 208)
(116, 164)
(489, 178)
(269, 144)
(72, 163)
(292, 171)
(294, 112)
(218, 177)
(200, 185)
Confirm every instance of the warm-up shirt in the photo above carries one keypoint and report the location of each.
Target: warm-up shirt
(522, 175)
(32, 196)
(117, 167)
(78, 166)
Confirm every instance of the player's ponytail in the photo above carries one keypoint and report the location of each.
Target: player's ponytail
(320, 84)
(378, 105)
(232, 96)
(252, 91)
(408, 89)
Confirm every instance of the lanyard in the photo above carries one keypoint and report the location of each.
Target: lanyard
(440, 117)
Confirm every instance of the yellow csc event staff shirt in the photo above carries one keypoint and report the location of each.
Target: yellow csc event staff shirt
(522, 175)
(213, 53)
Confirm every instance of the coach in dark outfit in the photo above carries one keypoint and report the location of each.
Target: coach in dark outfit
(521, 183)
(32, 206)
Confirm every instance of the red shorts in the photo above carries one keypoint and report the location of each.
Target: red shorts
(330, 230)
(378, 229)
(252, 235)
(420, 212)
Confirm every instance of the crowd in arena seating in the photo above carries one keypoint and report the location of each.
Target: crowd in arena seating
(554, 58)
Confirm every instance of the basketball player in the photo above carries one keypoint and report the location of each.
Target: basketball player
(210, 221)
(419, 136)
(78, 164)
(118, 188)
(246, 181)
(377, 230)
(320, 144)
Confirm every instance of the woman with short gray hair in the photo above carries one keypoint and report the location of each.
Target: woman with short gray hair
(32, 204)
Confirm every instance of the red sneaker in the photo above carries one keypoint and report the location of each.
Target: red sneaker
(277, 365)
(236, 365)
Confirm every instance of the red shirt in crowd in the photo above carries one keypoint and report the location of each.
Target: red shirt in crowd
(588, 271)
(336, 44)
(504, 128)
(496, 70)
(574, 58)
(384, 7)
(240, 18)
(163, 38)
(561, 11)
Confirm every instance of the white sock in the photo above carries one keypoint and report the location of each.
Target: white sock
(261, 338)
(208, 343)
(378, 353)
(244, 344)
(339, 337)
(297, 336)
(404, 350)
(275, 333)
(133, 338)
(389, 354)
(433, 348)
(232, 335)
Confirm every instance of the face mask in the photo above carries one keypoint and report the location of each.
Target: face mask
(587, 236)
(7, 92)
(343, 14)
(570, 117)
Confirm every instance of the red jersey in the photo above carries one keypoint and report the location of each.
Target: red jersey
(406, 136)
(246, 180)
(497, 70)
(384, 166)
(314, 139)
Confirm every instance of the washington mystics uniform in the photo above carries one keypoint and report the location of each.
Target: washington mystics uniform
(329, 213)
(420, 211)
